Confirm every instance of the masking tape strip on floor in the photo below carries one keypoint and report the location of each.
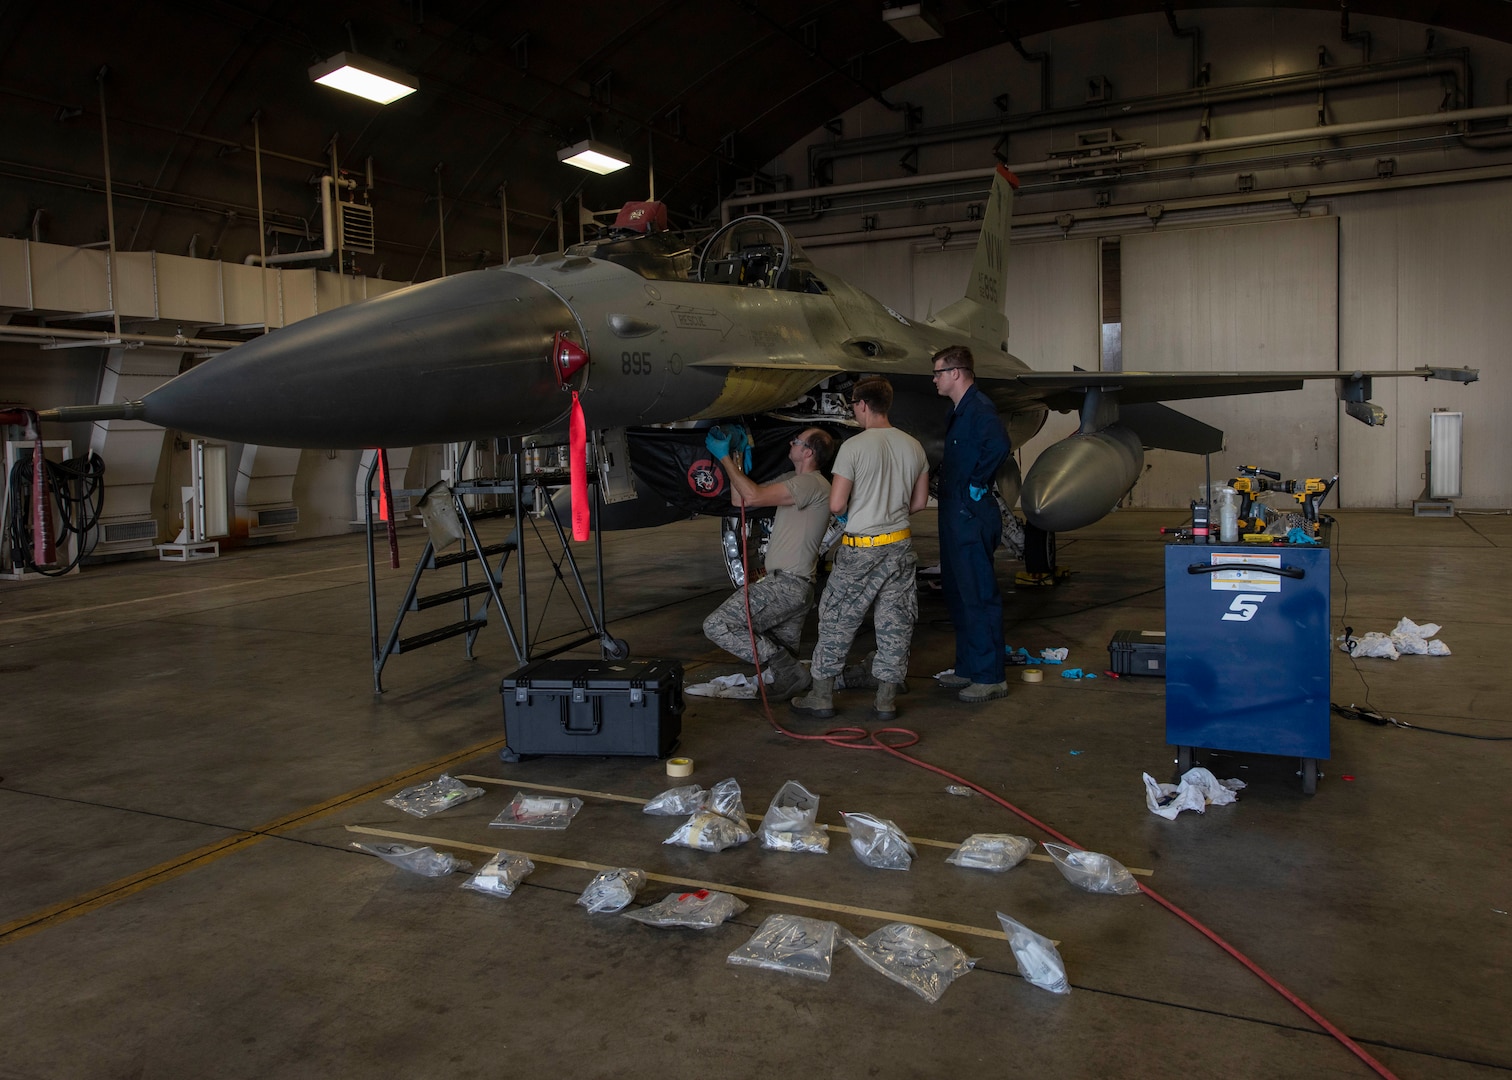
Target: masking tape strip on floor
(916, 840)
(120, 889)
(755, 894)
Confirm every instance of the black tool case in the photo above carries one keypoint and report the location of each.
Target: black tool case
(610, 707)
(1138, 652)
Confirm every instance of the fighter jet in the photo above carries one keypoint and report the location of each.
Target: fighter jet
(650, 330)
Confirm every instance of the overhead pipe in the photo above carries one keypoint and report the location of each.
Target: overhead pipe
(1451, 63)
(1062, 164)
(327, 227)
(106, 338)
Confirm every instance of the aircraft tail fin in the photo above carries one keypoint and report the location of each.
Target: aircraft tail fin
(980, 312)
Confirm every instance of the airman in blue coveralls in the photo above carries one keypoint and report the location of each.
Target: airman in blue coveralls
(971, 527)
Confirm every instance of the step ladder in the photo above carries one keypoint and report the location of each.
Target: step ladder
(482, 568)
(479, 578)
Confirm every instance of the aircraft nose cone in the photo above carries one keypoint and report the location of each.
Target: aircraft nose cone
(459, 358)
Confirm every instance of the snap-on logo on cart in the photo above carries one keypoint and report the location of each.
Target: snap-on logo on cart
(1244, 607)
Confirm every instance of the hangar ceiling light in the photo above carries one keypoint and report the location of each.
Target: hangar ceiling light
(367, 78)
(596, 157)
(914, 22)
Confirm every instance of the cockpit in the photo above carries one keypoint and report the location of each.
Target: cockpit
(749, 252)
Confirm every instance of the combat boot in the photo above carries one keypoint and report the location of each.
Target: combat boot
(978, 692)
(886, 707)
(819, 701)
(789, 677)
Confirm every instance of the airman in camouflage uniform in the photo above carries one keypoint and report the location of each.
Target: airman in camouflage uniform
(780, 601)
(881, 477)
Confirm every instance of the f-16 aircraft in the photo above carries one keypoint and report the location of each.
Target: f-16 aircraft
(650, 330)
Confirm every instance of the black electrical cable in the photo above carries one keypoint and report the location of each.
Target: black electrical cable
(78, 490)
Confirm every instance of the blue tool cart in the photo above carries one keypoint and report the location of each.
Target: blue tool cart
(1247, 651)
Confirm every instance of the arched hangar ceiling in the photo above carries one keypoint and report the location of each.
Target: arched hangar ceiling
(706, 90)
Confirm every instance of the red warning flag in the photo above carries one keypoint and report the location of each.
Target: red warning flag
(577, 451)
(386, 508)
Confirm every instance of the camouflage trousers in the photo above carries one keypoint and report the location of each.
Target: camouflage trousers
(779, 603)
(881, 578)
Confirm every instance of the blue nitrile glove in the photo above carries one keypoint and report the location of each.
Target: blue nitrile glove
(740, 439)
(842, 518)
(976, 492)
(718, 442)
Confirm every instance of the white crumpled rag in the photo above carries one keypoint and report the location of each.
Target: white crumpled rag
(738, 685)
(1406, 639)
(1199, 789)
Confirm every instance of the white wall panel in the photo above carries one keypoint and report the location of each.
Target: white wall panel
(883, 269)
(1242, 297)
(1441, 276)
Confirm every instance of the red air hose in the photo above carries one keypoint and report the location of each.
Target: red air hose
(857, 738)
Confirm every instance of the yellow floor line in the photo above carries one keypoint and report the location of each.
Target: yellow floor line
(756, 894)
(156, 597)
(84, 903)
(916, 840)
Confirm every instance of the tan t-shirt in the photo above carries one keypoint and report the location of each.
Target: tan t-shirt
(798, 530)
(882, 464)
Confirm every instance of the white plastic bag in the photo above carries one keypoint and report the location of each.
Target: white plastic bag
(537, 812)
(878, 842)
(1038, 960)
(500, 874)
(708, 831)
(1092, 871)
(612, 890)
(433, 796)
(991, 851)
(925, 963)
(791, 944)
(425, 861)
(678, 801)
(701, 910)
(1411, 639)
(791, 822)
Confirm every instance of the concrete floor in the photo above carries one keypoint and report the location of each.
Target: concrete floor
(186, 746)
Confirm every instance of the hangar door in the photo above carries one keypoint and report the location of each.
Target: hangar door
(1239, 297)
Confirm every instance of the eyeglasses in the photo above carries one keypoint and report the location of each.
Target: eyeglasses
(940, 371)
(795, 441)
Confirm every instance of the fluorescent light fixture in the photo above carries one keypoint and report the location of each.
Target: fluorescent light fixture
(366, 78)
(594, 156)
(915, 22)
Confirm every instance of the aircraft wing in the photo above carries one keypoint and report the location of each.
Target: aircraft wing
(1063, 391)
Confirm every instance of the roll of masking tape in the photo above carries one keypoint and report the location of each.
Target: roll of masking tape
(680, 766)
(1033, 674)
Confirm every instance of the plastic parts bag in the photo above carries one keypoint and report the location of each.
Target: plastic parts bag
(1039, 962)
(991, 851)
(678, 801)
(612, 890)
(701, 910)
(925, 963)
(708, 831)
(1198, 790)
(724, 798)
(537, 812)
(425, 861)
(500, 874)
(791, 944)
(791, 822)
(1092, 871)
(878, 842)
(433, 796)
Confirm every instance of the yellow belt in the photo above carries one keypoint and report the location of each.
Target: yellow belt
(876, 541)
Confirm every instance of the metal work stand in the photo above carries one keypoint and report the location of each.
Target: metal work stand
(534, 491)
